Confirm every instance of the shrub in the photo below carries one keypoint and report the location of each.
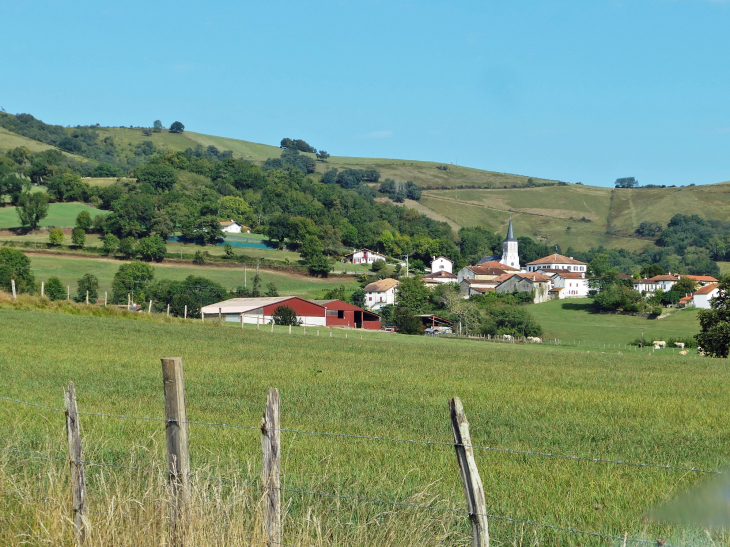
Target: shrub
(199, 258)
(513, 320)
(273, 291)
(110, 244)
(78, 237)
(656, 311)
(127, 247)
(284, 315)
(132, 278)
(406, 321)
(14, 265)
(55, 289)
(152, 248)
(55, 238)
(83, 220)
(378, 265)
(89, 282)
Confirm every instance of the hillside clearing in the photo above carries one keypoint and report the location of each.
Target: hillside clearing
(59, 214)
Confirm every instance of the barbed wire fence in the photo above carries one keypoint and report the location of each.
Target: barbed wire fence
(179, 473)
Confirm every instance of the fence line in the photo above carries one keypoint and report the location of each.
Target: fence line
(394, 440)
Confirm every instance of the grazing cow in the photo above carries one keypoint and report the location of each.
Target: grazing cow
(534, 339)
(680, 345)
(507, 337)
(660, 343)
(657, 347)
(683, 352)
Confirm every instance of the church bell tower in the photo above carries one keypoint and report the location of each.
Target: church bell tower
(510, 255)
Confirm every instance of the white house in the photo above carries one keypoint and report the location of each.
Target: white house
(380, 293)
(363, 256)
(701, 298)
(231, 227)
(571, 285)
(557, 262)
(663, 282)
(442, 264)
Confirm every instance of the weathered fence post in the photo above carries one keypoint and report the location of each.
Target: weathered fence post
(87, 297)
(178, 458)
(271, 446)
(78, 483)
(272, 324)
(241, 321)
(289, 329)
(168, 310)
(68, 292)
(12, 283)
(473, 489)
(105, 295)
(220, 313)
(186, 312)
(149, 310)
(43, 289)
(129, 301)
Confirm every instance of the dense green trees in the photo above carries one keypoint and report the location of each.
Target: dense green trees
(15, 265)
(78, 237)
(151, 248)
(297, 144)
(193, 292)
(88, 283)
(32, 208)
(626, 182)
(83, 221)
(714, 336)
(512, 320)
(159, 176)
(177, 127)
(131, 279)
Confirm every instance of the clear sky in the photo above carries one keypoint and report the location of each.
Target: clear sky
(585, 90)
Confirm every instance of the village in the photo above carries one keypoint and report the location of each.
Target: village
(553, 277)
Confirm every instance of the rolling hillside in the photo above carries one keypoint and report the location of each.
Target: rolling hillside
(574, 215)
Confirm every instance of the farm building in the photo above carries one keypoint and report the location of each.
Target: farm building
(342, 314)
(233, 227)
(573, 285)
(380, 293)
(437, 278)
(469, 287)
(436, 325)
(260, 310)
(363, 256)
(536, 283)
(702, 297)
(557, 262)
(663, 282)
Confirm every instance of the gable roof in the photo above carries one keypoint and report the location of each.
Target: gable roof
(243, 305)
(556, 259)
(228, 223)
(623, 276)
(381, 285)
(536, 277)
(665, 277)
(436, 275)
(707, 289)
(442, 256)
(569, 275)
(699, 278)
(493, 264)
(365, 251)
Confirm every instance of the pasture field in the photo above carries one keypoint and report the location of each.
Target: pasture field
(70, 269)
(661, 409)
(59, 214)
(572, 319)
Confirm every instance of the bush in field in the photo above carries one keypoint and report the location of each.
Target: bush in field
(89, 282)
(110, 244)
(132, 279)
(513, 320)
(55, 237)
(193, 291)
(83, 221)
(378, 265)
(78, 237)
(128, 247)
(55, 289)
(14, 265)
(406, 321)
(284, 315)
(152, 248)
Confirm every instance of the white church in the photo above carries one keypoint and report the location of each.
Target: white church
(510, 254)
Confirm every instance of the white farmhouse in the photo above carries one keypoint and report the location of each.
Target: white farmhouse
(231, 227)
(442, 264)
(648, 286)
(557, 262)
(702, 297)
(363, 256)
(570, 285)
(380, 293)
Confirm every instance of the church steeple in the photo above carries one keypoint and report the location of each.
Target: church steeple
(510, 254)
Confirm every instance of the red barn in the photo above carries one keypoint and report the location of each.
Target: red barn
(260, 310)
(342, 314)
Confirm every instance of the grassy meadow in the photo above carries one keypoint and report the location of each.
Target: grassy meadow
(59, 214)
(70, 269)
(572, 320)
(661, 409)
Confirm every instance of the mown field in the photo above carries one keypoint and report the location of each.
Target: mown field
(70, 269)
(59, 214)
(659, 409)
(572, 320)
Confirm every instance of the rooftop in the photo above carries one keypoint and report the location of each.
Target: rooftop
(243, 305)
(556, 259)
(707, 289)
(438, 274)
(381, 285)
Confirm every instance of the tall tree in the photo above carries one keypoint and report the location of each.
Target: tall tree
(177, 127)
(32, 208)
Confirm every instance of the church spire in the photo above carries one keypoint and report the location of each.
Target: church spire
(510, 231)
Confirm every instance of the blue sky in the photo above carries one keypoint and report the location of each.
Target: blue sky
(573, 90)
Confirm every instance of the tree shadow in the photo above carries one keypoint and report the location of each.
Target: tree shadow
(576, 306)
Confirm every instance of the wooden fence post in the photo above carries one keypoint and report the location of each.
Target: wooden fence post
(220, 313)
(78, 482)
(241, 321)
(186, 311)
(68, 292)
(272, 324)
(473, 489)
(12, 283)
(149, 310)
(129, 301)
(43, 289)
(168, 310)
(289, 329)
(271, 446)
(105, 295)
(87, 297)
(178, 458)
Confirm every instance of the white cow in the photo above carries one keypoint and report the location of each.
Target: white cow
(660, 343)
(507, 337)
(534, 339)
(680, 345)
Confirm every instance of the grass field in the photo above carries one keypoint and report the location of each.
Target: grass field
(572, 320)
(71, 269)
(660, 409)
(59, 214)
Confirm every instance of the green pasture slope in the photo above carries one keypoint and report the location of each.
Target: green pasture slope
(577, 216)
(659, 409)
(70, 269)
(59, 214)
(572, 320)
